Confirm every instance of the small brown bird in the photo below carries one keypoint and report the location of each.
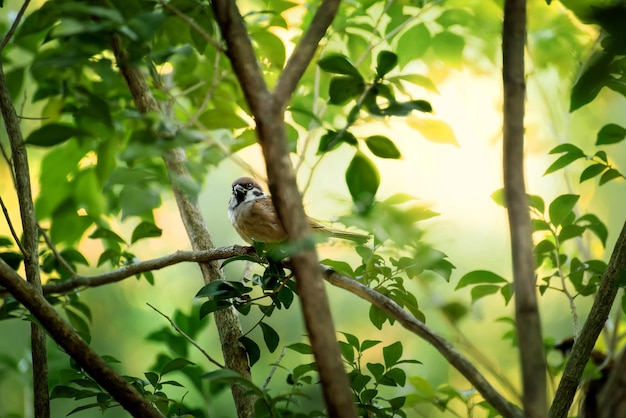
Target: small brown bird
(253, 215)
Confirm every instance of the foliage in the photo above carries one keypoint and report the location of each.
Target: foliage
(102, 177)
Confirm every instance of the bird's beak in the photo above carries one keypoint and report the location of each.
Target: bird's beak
(238, 189)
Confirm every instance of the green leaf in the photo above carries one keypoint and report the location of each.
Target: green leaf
(483, 290)
(339, 64)
(571, 231)
(611, 134)
(340, 267)
(593, 78)
(223, 290)
(601, 155)
(377, 317)
(152, 377)
(234, 377)
(592, 171)
(342, 89)
(52, 134)
(12, 259)
(332, 139)
(449, 47)
(270, 336)
(415, 39)
(347, 351)
(271, 46)
(563, 161)
(561, 208)
(593, 223)
(213, 305)
(367, 344)
(609, 175)
(136, 200)
(252, 349)
(382, 147)
(479, 277)
(392, 353)
(394, 377)
(301, 348)
(363, 180)
(385, 62)
(145, 230)
(567, 147)
(173, 365)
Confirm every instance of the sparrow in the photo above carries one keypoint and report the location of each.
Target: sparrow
(254, 217)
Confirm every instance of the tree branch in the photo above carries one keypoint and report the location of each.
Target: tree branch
(226, 320)
(304, 53)
(598, 315)
(408, 321)
(75, 346)
(527, 319)
(130, 270)
(14, 25)
(30, 231)
(268, 111)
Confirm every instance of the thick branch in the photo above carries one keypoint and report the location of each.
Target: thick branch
(75, 346)
(527, 319)
(598, 315)
(31, 241)
(268, 114)
(226, 320)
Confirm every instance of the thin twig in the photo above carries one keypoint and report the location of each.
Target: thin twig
(188, 338)
(274, 367)
(192, 23)
(16, 22)
(56, 253)
(13, 232)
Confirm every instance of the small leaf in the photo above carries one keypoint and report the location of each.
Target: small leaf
(483, 290)
(338, 64)
(609, 175)
(252, 349)
(392, 353)
(363, 180)
(332, 139)
(563, 161)
(270, 336)
(561, 208)
(173, 365)
(382, 147)
(213, 305)
(377, 316)
(385, 62)
(592, 171)
(611, 134)
(367, 344)
(433, 130)
(52, 134)
(566, 147)
(479, 277)
(593, 223)
(145, 230)
(301, 348)
(571, 231)
(342, 89)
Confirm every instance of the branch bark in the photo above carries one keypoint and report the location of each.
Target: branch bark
(526, 310)
(268, 111)
(598, 315)
(31, 242)
(226, 320)
(75, 346)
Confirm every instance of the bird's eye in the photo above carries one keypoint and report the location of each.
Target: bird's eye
(249, 186)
